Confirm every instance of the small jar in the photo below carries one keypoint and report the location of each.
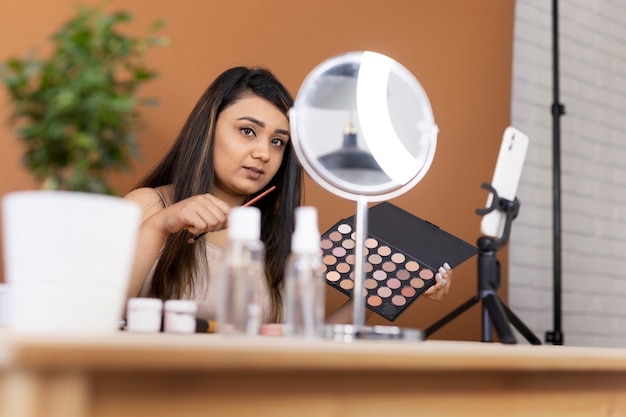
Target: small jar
(144, 315)
(180, 316)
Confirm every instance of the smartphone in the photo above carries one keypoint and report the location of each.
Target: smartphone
(505, 179)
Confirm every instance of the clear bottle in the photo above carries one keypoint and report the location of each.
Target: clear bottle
(239, 312)
(304, 284)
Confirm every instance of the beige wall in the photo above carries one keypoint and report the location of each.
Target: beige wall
(459, 50)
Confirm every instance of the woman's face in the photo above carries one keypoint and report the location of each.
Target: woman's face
(250, 140)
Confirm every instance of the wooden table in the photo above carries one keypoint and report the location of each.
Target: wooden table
(208, 375)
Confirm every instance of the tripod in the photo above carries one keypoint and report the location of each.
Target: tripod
(495, 313)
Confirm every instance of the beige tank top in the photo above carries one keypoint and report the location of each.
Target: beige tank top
(206, 291)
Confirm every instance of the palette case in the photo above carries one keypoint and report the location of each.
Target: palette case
(402, 255)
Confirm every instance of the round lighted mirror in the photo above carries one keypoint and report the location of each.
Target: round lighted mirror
(362, 127)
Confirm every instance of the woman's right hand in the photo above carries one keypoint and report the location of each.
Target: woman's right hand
(198, 214)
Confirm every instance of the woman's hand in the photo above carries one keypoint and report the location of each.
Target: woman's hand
(443, 282)
(197, 214)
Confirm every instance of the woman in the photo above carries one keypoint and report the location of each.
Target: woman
(234, 145)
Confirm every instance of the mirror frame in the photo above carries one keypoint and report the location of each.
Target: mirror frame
(315, 168)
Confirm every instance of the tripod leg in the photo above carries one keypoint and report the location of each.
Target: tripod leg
(499, 319)
(520, 326)
(446, 319)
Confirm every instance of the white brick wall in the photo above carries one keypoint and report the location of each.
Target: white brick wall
(592, 63)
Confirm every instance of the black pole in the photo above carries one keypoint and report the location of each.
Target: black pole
(556, 336)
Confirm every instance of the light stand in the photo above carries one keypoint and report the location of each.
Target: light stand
(495, 313)
(556, 336)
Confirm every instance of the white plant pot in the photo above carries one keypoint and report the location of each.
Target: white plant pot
(68, 258)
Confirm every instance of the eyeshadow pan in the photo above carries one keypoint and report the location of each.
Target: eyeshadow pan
(370, 283)
(379, 275)
(344, 228)
(329, 260)
(412, 266)
(427, 273)
(374, 300)
(417, 283)
(393, 283)
(335, 236)
(371, 243)
(326, 244)
(333, 276)
(394, 277)
(384, 251)
(398, 257)
(348, 244)
(384, 292)
(408, 291)
(402, 274)
(347, 284)
(390, 310)
(389, 266)
(375, 259)
(398, 300)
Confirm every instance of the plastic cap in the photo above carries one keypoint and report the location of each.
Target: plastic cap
(181, 306)
(244, 223)
(141, 303)
(306, 237)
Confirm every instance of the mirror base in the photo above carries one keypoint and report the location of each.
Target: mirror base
(350, 333)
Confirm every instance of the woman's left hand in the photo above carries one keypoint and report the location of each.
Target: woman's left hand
(443, 282)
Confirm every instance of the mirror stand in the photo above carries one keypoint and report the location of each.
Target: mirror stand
(393, 139)
(358, 299)
(358, 329)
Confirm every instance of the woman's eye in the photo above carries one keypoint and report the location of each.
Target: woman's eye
(278, 142)
(247, 131)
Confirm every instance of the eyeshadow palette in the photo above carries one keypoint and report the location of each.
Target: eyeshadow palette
(402, 255)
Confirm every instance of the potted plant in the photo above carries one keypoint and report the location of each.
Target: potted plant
(76, 112)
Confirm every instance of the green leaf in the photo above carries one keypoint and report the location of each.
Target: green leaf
(76, 111)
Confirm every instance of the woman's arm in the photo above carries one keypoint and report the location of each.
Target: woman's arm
(197, 214)
(150, 239)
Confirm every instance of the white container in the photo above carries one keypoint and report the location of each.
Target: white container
(180, 316)
(243, 264)
(304, 283)
(68, 258)
(144, 315)
(5, 310)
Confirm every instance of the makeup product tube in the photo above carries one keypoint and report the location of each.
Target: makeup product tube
(239, 312)
(304, 282)
(144, 315)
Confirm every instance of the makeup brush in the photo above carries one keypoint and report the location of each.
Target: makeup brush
(249, 203)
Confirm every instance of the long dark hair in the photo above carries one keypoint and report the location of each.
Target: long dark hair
(188, 166)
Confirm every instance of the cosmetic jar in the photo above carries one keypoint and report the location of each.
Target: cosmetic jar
(143, 315)
(180, 316)
(5, 309)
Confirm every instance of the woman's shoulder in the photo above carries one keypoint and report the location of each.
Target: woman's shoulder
(150, 199)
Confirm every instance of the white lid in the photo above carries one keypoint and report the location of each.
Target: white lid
(244, 223)
(306, 236)
(181, 306)
(145, 303)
